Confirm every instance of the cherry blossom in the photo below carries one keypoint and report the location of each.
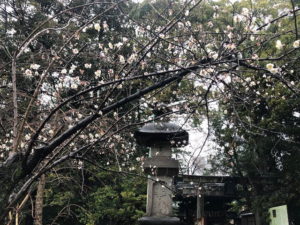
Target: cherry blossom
(97, 27)
(296, 114)
(28, 73)
(97, 73)
(270, 66)
(75, 51)
(279, 45)
(34, 66)
(296, 44)
(275, 70)
(180, 25)
(63, 71)
(87, 65)
(105, 26)
(122, 59)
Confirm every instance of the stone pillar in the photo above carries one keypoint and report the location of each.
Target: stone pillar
(200, 208)
(159, 197)
(161, 168)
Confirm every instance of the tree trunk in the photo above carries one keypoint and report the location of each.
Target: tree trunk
(15, 103)
(257, 217)
(39, 201)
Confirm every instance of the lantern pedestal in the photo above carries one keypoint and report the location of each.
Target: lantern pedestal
(149, 220)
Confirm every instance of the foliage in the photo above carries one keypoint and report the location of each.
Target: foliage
(104, 197)
(120, 203)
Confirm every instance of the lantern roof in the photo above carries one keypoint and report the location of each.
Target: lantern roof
(161, 133)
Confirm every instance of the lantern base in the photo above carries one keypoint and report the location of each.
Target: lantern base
(149, 220)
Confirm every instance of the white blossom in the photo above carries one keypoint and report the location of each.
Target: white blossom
(11, 31)
(26, 50)
(45, 99)
(122, 59)
(105, 26)
(97, 27)
(55, 74)
(270, 66)
(110, 71)
(230, 152)
(230, 46)
(245, 11)
(69, 82)
(74, 85)
(102, 55)
(213, 55)
(132, 58)
(28, 73)
(254, 56)
(34, 66)
(268, 18)
(216, 15)
(75, 51)
(230, 28)
(238, 18)
(180, 25)
(73, 67)
(296, 44)
(275, 70)
(296, 114)
(115, 114)
(119, 45)
(87, 65)
(27, 137)
(279, 45)
(98, 73)
(161, 36)
(63, 71)
(210, 24)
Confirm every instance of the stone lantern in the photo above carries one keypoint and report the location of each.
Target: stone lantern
(160, 137)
